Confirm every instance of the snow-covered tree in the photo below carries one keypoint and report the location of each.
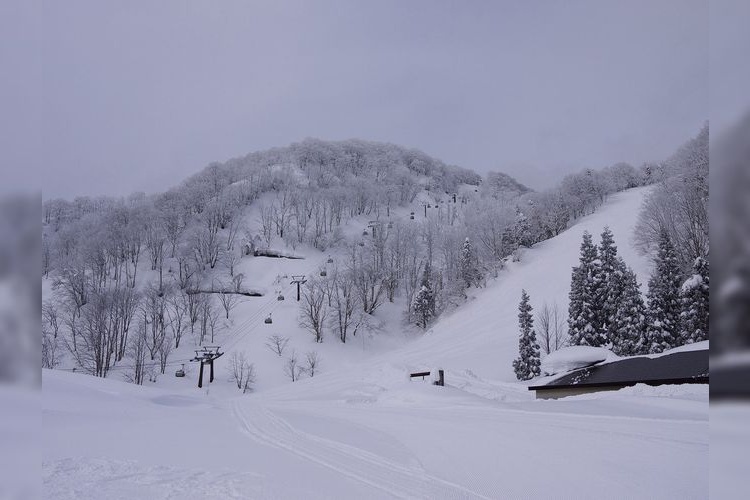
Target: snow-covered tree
(679, 204)
(313, 308)
(694, 300)
(424, 301)
(522, 229)
(663, 316)
(610, 283)
(583, 314)
(346, 315)
(470, 273)
(528, 363)
(519, 233)
(629, 318)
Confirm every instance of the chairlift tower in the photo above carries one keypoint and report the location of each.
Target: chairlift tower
(373, 224)
(298, 280)
(426, 205)
(206, 356)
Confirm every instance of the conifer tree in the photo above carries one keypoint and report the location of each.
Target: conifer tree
(522, 229)
(609, 286)
(469, 266)
(694, 301)
(528, 364)
(583, 315)
(663, 313)
(629, 317)
(424, 301)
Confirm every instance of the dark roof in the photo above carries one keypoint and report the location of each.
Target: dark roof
(677, 368)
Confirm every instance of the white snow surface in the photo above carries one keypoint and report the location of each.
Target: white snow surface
(573, 357)
(362, 429)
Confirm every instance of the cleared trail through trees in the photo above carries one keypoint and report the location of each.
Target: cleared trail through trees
(270, 305)
(263, 426)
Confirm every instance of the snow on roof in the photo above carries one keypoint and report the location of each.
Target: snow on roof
(574, 357)
(670, 368)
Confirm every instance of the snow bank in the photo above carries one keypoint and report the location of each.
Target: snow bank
(696, 346)
(571, 358)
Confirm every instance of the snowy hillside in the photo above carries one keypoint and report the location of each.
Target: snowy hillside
(361, 429)
(483, 335)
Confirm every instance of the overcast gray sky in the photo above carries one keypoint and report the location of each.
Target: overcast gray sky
(107, 97)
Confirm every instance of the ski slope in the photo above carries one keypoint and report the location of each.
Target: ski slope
(362, 429)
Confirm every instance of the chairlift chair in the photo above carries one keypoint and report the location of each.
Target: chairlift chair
(268, 320)
(280, 297)
(180, 372)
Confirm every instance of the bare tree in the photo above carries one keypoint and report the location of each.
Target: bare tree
(213, 322)
(230, 258)
(228, 300)
(544, 327)
(559, 328)
(237, 280)
(96, 338)
(156, 240)
(154, 309)
(282, 212)
(50, 344)
(313, 361)
(174, 226)
(72, 321)
(50, 315)
(125, 303)
(137, 351)
(242, 371)
(292, 368)
(346, 314)
(233, 227)
(551, 328)
(176, 314)
(313, 308)
(266, 223)
(276, 344)
(206, 315)
(164, 351)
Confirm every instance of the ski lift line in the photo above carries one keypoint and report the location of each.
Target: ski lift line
(250, 319)
(241, 331)
(124, 366)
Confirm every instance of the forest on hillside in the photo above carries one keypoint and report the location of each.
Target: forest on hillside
(128, 275)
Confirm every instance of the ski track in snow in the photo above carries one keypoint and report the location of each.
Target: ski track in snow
(263, 426)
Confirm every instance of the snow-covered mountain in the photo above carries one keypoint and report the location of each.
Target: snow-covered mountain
(360, 428)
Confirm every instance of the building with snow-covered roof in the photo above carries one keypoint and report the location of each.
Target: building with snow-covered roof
(679, 366)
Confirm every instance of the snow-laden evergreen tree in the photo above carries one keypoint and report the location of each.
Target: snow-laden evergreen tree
(528, 363)
(663, 313)
(694, 300)
(424, 301)
(470, 273)
(629, 319)
(610, 283)
(583, 314)
(522, 229)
